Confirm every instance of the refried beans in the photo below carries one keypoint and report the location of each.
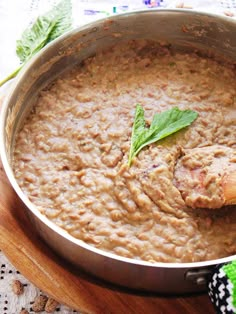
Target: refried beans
(71, 155)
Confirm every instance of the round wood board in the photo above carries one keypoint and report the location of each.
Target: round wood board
(70, 286)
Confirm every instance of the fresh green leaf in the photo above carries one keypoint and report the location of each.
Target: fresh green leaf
(137, 131)
(45, 29)
(163, 125)
(34, 38)
(62, 15)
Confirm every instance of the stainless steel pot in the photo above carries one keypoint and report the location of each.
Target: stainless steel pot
(188, 30)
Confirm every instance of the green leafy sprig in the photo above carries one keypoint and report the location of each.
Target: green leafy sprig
(45, 29)
(163, 125)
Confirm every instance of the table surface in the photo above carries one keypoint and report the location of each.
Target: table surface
(11, 11)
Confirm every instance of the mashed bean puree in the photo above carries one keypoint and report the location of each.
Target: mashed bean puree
(71, 154)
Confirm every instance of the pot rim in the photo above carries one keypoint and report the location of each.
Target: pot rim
(30, 206)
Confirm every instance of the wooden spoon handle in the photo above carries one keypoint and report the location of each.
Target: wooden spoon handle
(229, 188)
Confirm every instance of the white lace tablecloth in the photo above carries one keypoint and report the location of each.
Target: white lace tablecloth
(10, 303)
(14, 17)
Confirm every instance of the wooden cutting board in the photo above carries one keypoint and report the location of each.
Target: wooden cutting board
(70, 286)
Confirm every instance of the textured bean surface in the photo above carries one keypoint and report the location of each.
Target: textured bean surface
(71, 155)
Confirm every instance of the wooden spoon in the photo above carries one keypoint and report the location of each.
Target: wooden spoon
(206, 176)
(229, 188)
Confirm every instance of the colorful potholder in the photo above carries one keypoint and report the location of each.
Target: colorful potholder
(222, 288)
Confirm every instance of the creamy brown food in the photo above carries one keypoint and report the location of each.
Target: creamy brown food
(71, 154)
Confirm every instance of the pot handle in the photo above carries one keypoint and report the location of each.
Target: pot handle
(221, 284)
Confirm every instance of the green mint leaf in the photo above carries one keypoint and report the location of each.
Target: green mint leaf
(45, 29)
(62, 15)
(163, 125)
(34, 38)
(137, 131)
